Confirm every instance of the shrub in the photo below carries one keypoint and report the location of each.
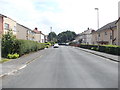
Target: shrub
(111, 49)
(8, 43)
(13, 56)
(11, 45)
(26, 46)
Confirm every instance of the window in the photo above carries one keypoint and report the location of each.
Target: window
(6, 26)
(105, 33)
(14, 29)
(110, 35)
(99, 35)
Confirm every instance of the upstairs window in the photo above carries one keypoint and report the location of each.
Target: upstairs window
(14, 29)
(6, 26)
(105, 33)
(99, 35)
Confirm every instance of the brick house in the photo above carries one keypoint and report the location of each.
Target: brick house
(106, 35)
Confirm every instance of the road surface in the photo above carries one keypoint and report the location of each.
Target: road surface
(66, 67)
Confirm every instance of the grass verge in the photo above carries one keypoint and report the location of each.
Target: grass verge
(4, 60)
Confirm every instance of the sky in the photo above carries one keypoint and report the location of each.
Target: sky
(61, 15)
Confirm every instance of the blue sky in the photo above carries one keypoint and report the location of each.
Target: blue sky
(74, 15)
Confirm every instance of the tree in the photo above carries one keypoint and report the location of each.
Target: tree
(8, 43)
(66, 36)
(52, 37)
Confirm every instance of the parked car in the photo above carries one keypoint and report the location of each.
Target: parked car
(56, 46)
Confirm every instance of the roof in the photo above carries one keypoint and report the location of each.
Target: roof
(3, 15)
(118, 20)
(108, 26)
(24, 26)
(7, 17)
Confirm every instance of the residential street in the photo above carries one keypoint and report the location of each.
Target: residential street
(65, 67)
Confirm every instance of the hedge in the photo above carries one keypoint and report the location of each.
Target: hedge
(11, 45)
(22, 47)
(111, 49)
(26, 46)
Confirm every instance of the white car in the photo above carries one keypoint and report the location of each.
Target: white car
(56, 46)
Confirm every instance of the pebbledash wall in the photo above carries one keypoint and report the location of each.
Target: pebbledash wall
(9, 24)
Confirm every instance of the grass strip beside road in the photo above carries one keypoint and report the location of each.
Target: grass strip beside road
(4, 60)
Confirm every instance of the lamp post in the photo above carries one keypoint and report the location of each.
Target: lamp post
(97, 9)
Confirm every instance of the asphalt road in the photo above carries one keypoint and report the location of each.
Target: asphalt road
(66, 67)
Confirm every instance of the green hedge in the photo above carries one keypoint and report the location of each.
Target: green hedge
(26, 46)
(111, 49)
(22, 47)
(11, 45)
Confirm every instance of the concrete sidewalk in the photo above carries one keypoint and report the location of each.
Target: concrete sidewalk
(105, 55)
(16, 64)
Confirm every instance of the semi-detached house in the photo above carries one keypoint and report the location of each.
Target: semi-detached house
(39, 36)
(24, 32)
(7, 24)
(20, 31)
(106, 35)
(118, 31)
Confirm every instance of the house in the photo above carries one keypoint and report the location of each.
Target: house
(94, 38)
(85, 37)
(1, 23)
(107, 34)
(24, 33)
(39, 36)
(118, 31)
(46, 38)
(42, 37)
(79, 38)
(9, 24)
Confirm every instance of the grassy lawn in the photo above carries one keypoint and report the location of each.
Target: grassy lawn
(4, 60)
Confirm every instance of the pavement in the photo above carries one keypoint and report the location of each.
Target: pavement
(20, 63)
(102, 54)
(64, 67)
(15, 65)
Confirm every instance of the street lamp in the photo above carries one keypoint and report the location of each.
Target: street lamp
(97, 9)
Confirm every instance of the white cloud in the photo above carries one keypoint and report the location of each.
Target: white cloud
(75, 15)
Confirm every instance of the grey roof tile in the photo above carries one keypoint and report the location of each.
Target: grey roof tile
(108, 26)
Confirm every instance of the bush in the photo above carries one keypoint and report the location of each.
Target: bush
(111, 49)
(8, 43)
(13, 56)
(26, 46)
(11, 45)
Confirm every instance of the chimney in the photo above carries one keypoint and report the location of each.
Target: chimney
(36, 28)
(40, 32)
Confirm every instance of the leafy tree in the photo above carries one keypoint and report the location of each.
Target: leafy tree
(8, 43)
(66, 36)
(52, 37)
